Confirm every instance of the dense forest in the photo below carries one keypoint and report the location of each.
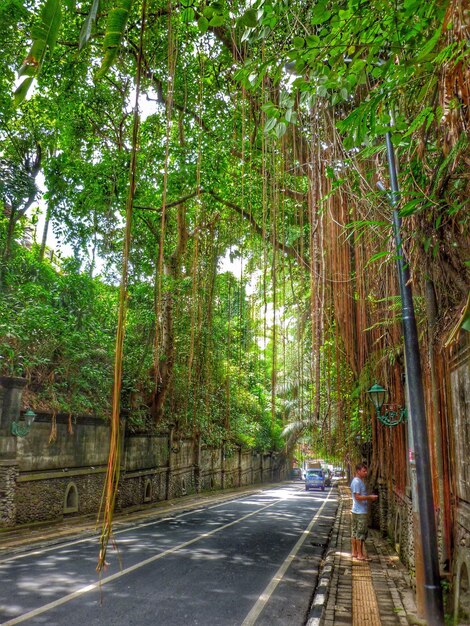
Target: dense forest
(158, 140)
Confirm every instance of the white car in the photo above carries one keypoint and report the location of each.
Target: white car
(337, 478)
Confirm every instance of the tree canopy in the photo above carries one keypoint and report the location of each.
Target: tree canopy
(170, 136)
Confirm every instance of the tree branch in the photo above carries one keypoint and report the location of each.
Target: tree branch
(279, 245)
(289, 250)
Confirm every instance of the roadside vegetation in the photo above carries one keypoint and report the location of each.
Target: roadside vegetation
(158, 139)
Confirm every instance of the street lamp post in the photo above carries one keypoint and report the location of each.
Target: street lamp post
(432, 589)
(377, 394)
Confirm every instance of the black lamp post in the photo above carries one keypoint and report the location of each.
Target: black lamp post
(432, 588)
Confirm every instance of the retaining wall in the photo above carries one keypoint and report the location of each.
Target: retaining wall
(50, 480)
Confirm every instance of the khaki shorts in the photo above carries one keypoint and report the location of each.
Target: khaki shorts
(359, 526)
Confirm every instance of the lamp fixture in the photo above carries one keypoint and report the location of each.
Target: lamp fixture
(377, 395)
(21, 429)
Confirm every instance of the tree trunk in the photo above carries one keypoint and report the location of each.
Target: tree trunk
(44, 235)
(6, 254)
(165, 369)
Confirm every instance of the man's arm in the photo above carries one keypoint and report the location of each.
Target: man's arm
(360, 498)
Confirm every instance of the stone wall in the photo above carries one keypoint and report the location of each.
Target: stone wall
(394, 517)
(461, 582)
(86, 446)
(8, 477)
(459, 392)
(42, 496)
(50, 480)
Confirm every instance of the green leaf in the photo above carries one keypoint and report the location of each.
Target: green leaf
(249, 18)
(87, 26)
(378, 256)
(429, 47)
(187, 15)
(320, 14)
(203, 24)
(280, 129)
(217, 20)
(115, 28)
(466, 323)
(313, 41)
(270, 124)
(22, 90)
(44, 35)
(410, 207)
(299, 42)
(423, 115)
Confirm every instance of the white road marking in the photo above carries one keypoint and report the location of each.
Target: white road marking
(128, 570)
(59, 546)
(267, 593)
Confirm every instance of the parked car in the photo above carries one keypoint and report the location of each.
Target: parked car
(296, 473)
(337, 477)
(314, 479)
(327, 478)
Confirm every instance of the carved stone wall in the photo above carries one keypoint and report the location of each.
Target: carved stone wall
(49, 480)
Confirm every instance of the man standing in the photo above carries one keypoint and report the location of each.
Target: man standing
(360, 501)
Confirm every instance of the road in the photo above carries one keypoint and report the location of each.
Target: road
(252, 559)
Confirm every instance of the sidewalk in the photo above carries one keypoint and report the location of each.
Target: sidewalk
(375, 593)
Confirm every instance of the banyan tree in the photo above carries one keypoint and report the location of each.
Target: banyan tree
(174, 135)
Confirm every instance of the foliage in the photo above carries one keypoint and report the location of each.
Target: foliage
(261, 133)
(44, 35)
(57, 331)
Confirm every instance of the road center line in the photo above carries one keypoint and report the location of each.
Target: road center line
(267, 593)
(128, 570)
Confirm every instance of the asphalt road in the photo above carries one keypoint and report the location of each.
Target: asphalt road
(253, 559)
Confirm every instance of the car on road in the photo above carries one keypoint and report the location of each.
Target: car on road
(327, 475)
(314, 479)
(337, 477)
(296, 473)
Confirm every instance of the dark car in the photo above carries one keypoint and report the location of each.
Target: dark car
(314, 479)
(327, 478)
(296, 473)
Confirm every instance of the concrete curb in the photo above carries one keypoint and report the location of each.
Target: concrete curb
(320, 597)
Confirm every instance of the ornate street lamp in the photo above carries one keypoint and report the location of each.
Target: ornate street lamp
(21, 429)
(377, 395)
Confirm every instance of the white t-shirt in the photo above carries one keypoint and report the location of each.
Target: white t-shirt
(358, 486)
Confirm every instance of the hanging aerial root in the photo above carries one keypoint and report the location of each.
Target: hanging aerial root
(114, 461)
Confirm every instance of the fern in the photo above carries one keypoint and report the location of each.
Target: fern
(44, 36)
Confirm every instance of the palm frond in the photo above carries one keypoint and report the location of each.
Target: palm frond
(295, 427)
(87, 26)
(44, 35)
(115, 29)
